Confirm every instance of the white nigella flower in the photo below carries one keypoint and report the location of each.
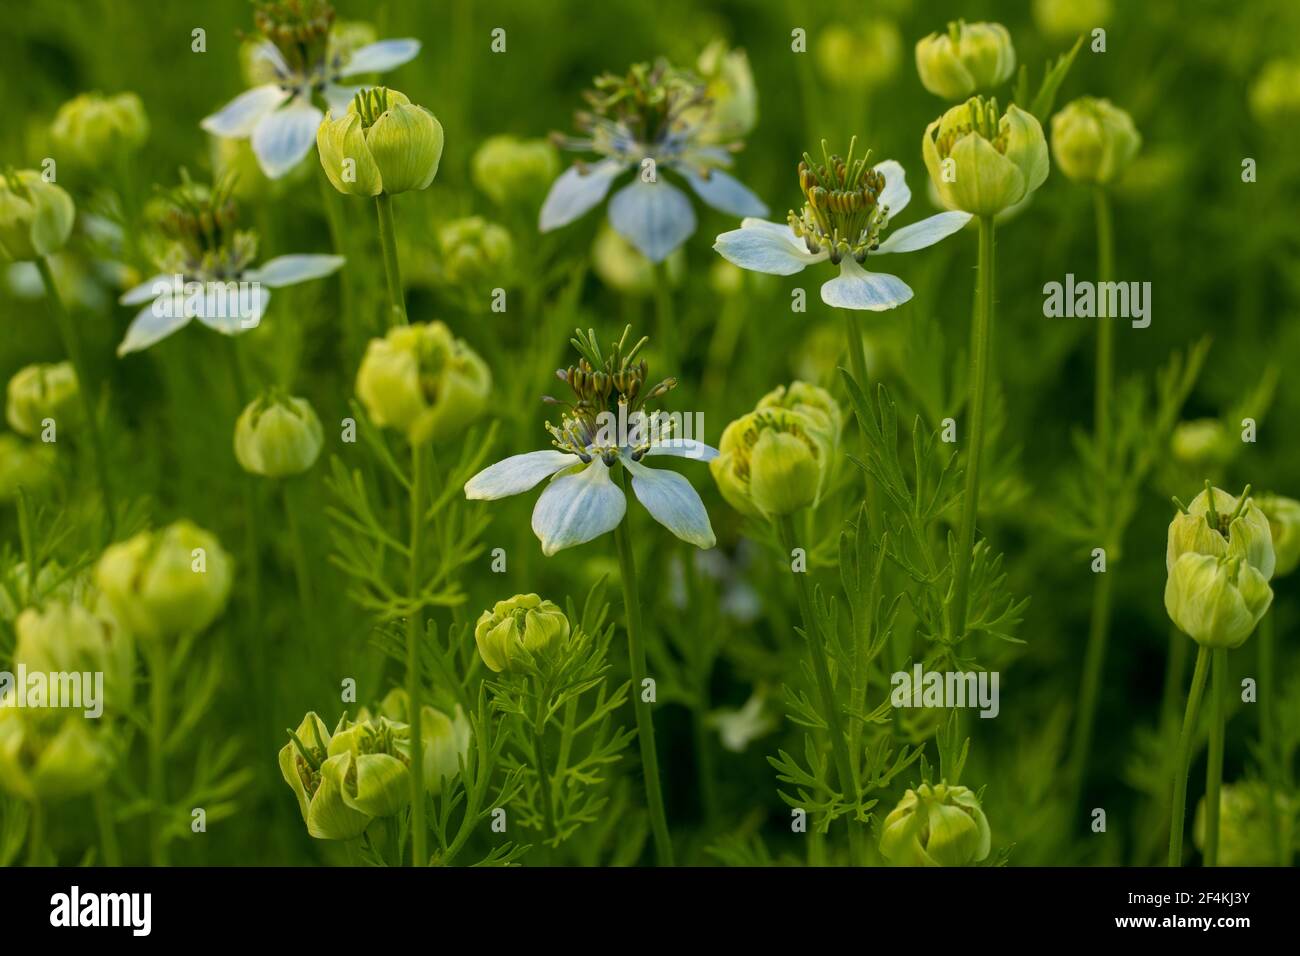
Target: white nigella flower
(848, 206)
(207, 272)
(607, 425)
(655, 119)
(301, 61)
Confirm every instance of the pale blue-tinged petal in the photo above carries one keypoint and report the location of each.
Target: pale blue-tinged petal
(233, 307)
(673, 502)
(577, 507)
(517, 474)
(151, 324)
(855, 288)
(895, 195)
(927, 232)
(684, 448)
(338, 97)
(238, 118)
(725, 193)
(655, 217)
(146, 291)
(380, 57)
(769, 247)
(576, 191)
(289, 270)
(285, 136)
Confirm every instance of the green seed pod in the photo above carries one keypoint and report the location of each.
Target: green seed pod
(510, 170)
(36, 217)
(967, 59)
(772, 462)
(1093, 141)
(1231, 528)
(996, 161)
(278, 435)
(523, 621)
(162, 584)
(1283, 516)
(936, 826)
(40, 392)
(1217, 602)
(383, 143)
(92, 128)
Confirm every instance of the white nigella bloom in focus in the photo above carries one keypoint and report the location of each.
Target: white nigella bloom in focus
(300, 59)
(848, 206)
(607, 425)
(656, 119)
(207, 271)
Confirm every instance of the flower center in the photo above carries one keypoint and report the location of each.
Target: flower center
(203, 224)
(300, 30)
(842, 213)
(983, 118)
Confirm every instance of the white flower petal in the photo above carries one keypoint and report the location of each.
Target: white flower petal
(231, 308)
(338, 97)
(516, 474)
(576, 191)
(725, 193)
(673, 502)
(146, 291)
(578, 507)
(655, 217)
(289, 270)
(895, 195)
(380, 57)
(855, 288)
(927, 232)
(238, 118)
(150, 325)
(684, 448)
(769, 247)
(267, 52)
(285, 136)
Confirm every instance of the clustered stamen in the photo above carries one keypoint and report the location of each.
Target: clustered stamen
(300, 30)
(203, 225)
(983, 118)
(842, 213)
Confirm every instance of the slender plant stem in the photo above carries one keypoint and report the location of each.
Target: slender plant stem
(392, 272)
(547, 793)
(645, 728)
(1178, 805)
(1268, 733)
(826, 690)
(1175, 674)
(414, 685)
(35, 833)
(980, 348)
(107, 830)
(159, 709)
(1214, 765)
(301, 564)
(665, 319)
(1093, 665)
(338, 241)
(1105, 371)
(72, 345)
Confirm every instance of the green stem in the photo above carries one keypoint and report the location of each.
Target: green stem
(72, 345)
(1105, 329)
(1178, 805)
(159, 709)
(414, 626)
(547, 792)
(301, 565)
(392, 272)
(980, 347)
(107, 830)
(35, 834)
(1214, 765)
(338, 242)
(645, 728)
(1268, 732)
(826, 690)
(665, 321)
(1093, 665)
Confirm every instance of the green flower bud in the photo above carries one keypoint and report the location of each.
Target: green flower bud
(371, 761)
(1283, 516)
(35, 217)
(1069, 18)
(424, 381)
(1222, 526)
(984, 163)
(936, 826)
(278, 435)
(166, 583)
(1202, 442)
(445, 739)
(38, 392)
(524, 621)
(510, 170)
(474, 252)
(24, 465)
(969, 58)
(811, 401)
(1275, 94)
(303, 764)
(772, 462)
(860, 57)
(92, 128)
(65, 637)
(1245, 831)
(1216, 601)
(383, 143)
(1093, 140)
(48, 754)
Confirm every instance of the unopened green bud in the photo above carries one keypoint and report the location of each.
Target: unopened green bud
(66, 637)
(984, 162)
(1093, 140)
(525, 622)
(1216, 601)
(1246, 835)
(166, 583)
(772, 462)
(936, 826)
(92, 128)
(1222, 526)
(319, 775)
(812, 401)
(474, 252)
(1283, 516)
(1202, 442)
(278, 435)
(967, 59)
(40, 392)
(36, 217)
(48, 754)
(510, 170)
(422, 380)
(384, 143)
(860, 57)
